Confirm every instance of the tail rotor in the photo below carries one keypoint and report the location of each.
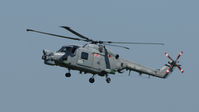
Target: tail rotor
(174, 63)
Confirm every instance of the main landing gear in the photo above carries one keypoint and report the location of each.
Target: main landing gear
(108, 79)
(92, 79)
(68, 74)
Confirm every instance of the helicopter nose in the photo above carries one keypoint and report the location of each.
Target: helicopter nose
(51, 56)
(48, 57)
(44, 51)
(43, 57)
(46, 54)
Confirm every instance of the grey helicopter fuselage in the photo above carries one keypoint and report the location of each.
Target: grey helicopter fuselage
(90, 58)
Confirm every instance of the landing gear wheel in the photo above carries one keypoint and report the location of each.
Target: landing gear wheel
(91, 80)
(108, 80)
(68, 75)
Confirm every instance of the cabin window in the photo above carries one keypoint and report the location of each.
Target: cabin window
(84, 55)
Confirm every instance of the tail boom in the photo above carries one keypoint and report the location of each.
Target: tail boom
(161, 73)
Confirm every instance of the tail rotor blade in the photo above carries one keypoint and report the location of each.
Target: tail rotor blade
(181, 53)
(167, 55)
(180, 69)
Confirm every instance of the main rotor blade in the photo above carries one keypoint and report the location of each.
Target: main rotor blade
(55, 35)
(142, 43)
(76, 33)
(117, 46)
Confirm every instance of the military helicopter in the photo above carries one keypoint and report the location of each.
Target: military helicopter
(96, 59)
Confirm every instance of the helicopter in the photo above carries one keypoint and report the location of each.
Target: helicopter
(94, 58)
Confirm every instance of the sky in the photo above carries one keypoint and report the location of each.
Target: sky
(27, 84)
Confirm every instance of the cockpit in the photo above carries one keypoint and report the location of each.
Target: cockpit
(68, 49)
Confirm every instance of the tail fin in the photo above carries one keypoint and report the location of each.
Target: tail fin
(164, 72)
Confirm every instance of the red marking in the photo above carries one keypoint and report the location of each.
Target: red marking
(110, 56)
(168, 71)
(96, 55)
(181, 70)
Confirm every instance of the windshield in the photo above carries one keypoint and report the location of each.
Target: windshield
(65, 49)
(68, 49)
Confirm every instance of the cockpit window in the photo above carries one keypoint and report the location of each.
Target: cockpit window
(74, 49)
(65, 49)
(68, 49)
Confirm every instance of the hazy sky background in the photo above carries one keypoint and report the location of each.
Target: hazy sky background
(27, 85)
